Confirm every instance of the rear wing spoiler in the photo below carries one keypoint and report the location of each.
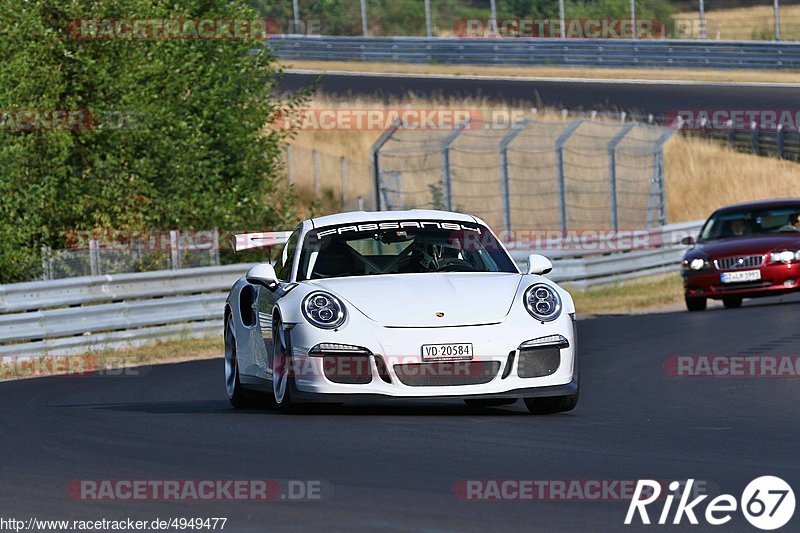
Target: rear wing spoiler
(265, 239)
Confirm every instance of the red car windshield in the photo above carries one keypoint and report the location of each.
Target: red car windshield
(733, 224)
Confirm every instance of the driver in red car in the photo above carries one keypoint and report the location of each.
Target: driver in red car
(793, 225)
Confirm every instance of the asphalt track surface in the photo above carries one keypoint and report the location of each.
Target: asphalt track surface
(644, 98)
(392, 467)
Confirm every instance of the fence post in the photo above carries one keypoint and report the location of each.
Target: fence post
(754, 137)
(428, 27)
(343, 167)
(612, 172)
(513, 132)
(562, 185)
(731, 136)
(376, 164)
(364, 18)
(94, 257)
(289, 173)
(777, 9)
(780, 141)
(633, 19)
(447, 190)
(315, 160)
(702, 19)
(215, 246)
(296, 17)
(47, 265)
(174, 248)
(658, 179)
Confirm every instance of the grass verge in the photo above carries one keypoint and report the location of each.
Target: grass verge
(102, 361)
(707, 75)
(643, 294)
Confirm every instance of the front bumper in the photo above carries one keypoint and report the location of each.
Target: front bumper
(775, 279)
(395, 367)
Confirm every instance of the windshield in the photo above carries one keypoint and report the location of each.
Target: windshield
(401, 247)
(732, 224)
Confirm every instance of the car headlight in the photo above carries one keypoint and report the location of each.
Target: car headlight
(324, 310)
(785, 256)
(696, 264)
(542, 302)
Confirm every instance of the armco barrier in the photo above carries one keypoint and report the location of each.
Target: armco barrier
(663, 53)
(77, 315)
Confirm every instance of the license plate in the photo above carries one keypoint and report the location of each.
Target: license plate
(744, 275)
(432, 352)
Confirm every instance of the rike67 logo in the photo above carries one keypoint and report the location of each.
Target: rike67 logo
(767, 503)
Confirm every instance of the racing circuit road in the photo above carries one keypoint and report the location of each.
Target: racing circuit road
(393, 466)
(655, 97)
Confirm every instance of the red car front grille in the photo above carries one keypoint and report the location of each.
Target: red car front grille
(738, 262)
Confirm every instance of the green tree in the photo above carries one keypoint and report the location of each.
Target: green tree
(178, 140)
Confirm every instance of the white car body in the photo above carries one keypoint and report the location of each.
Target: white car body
(391, 317)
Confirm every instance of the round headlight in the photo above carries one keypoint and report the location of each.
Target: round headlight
(324, 310)
(786, 256)
(697, 264)
(542, 302)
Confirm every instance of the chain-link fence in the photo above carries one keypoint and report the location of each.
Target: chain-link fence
(346, 184)
(582, 174)
(145, 252)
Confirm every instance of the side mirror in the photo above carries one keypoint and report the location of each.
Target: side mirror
(539, 264)
(688, 240)
(263, 274)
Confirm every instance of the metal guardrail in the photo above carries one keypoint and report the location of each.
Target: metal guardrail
(669, 53)
(75, 315)
(69, 316)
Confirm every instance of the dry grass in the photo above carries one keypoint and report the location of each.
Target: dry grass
(652, 292)
(151, 354)
(755, 22)
(704, 175)
(700, 175)
(768, 76)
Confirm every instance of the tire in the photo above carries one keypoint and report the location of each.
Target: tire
(551, 405)
(233, 385)
(282, 380)
(489, 402)
(696, 304)
(732, 302)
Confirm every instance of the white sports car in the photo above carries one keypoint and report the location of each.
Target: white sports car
(402, 304)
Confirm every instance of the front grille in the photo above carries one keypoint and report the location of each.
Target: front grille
(347, 369)
(539, 361)
(447, 373)
(738, 262)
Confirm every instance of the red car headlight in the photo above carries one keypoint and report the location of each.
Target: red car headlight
(784, 256)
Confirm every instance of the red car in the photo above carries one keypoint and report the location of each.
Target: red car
(744, 251)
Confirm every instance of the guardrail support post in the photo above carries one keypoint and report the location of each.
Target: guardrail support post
(376, 163)
(507, 138)
(215, 247)
(612, 172)
(562, 183)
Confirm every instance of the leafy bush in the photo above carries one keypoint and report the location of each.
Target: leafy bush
(177, 140)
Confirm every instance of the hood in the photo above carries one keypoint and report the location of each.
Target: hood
(413, 300)
(754, 245)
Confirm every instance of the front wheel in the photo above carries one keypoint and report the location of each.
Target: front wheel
(233, 385)
(551, 405)
(696, 304)
(282, 368)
